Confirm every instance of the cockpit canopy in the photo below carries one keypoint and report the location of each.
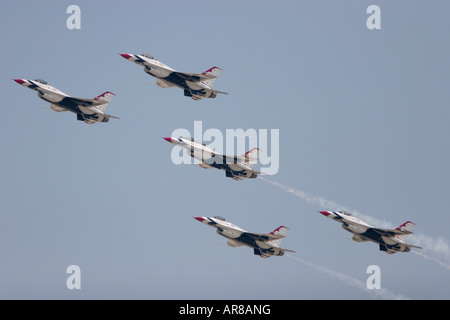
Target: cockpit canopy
(220, 218)
(41, 81)
(344, 212)
(148, 56)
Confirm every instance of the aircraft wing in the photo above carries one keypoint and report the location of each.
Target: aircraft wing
(230, 159)
(220, 158)
(264, 236)
(86, 102)
(256, 236)
(194, 77)
(391, 232)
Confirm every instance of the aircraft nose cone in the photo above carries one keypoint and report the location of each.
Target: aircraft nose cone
(168, 139)
(325, 213)
(19, 81)
(126, 56)
(199, 219)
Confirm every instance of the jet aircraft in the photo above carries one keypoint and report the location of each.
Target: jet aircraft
(88, 110)
(236, 167)
(197, 86)
(389, 240)
(264, 245)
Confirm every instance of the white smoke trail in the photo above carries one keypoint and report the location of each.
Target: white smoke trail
(327, 204)
(443, 264)
(353, 282)
(436, 246)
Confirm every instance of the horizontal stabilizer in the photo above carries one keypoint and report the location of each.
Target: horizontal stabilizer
(109, 116)
(216, 91)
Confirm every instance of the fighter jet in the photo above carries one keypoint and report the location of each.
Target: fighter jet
(236, 167)
(87, 110)
(264, 245)
(196, 86)
(389, 240)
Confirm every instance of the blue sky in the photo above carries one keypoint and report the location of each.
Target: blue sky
(363, 117)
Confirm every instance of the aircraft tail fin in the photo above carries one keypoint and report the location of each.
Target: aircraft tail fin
(405, 227)
(213, 73)
(281, 230)
(105, 98)
(251, 156)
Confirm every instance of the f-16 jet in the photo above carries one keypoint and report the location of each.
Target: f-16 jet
(87, 110)
(389, 240)
(264, 245)
(195, 85)
(236, 167)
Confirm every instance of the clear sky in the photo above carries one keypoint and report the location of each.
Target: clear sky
(363, 119)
